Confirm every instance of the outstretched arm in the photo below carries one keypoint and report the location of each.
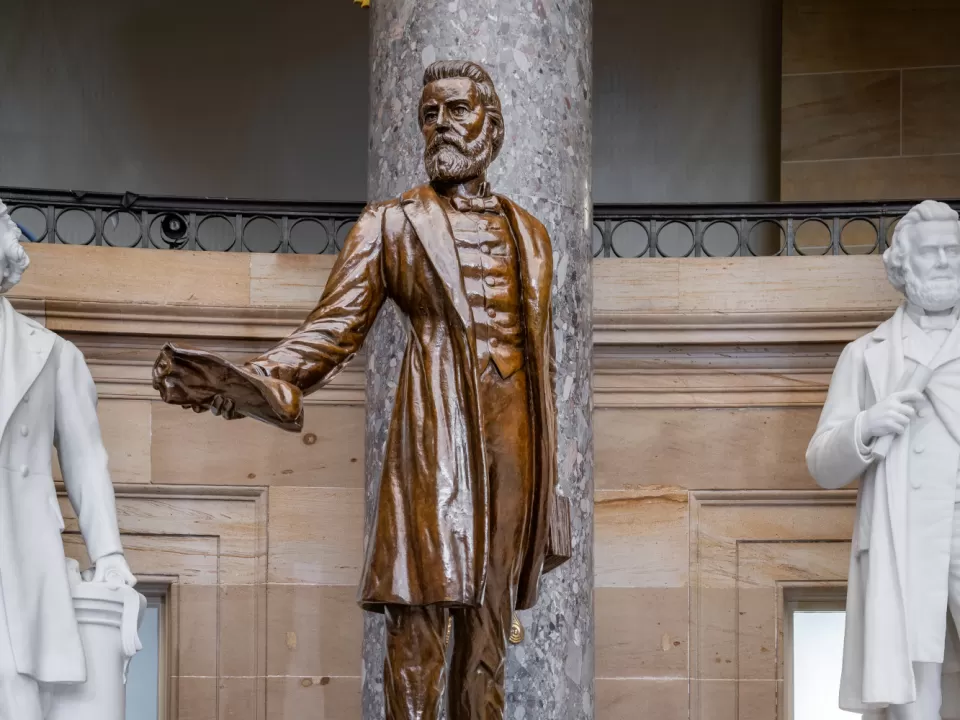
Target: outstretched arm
(334, 332)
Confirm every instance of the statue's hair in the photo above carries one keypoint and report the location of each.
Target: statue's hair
(469, 70)
(896, 255)
(15, 260)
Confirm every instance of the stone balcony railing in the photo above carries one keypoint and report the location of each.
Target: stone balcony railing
(626, 231)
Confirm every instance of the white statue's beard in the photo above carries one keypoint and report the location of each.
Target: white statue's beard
(932, 295)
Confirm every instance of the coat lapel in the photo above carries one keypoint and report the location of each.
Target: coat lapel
(424, 212)
(950, 352)
(917, 345)
(24, 350)
(884, 358)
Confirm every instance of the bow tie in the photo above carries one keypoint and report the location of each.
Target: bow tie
(476, 204)
(937, 322)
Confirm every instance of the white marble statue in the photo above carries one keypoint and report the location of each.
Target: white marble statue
(47, 398)
(892, 418)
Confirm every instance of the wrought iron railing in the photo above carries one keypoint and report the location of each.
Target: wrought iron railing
(129, 220)
(627, 231)
(746, 229)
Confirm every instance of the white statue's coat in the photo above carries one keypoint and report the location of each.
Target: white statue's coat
(47, 397)
(905, 511)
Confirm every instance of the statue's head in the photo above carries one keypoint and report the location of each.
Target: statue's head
(923, 261)
(13, 257)
(461, 120)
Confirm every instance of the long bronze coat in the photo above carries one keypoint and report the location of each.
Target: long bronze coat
(430, 539)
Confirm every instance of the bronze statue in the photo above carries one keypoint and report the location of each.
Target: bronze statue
(468, 517)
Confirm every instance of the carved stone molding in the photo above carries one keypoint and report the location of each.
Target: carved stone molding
(756, 329)
(747, 549)
(642, 360)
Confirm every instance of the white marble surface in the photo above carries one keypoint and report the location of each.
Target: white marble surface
(892, 418)
(47, 399)
(108, 616)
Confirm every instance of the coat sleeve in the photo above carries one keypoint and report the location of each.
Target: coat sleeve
(82, 456)
(836, 456)
(334, 332)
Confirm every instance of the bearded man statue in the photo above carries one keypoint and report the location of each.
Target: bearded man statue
(892, 418)
(464, 511)
(47, 399)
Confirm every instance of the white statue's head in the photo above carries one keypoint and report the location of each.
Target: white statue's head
(12, 255)
(923, 261)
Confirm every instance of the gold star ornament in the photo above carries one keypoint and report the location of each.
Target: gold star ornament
(362, 3)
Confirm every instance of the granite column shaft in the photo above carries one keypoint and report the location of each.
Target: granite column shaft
(539, 54)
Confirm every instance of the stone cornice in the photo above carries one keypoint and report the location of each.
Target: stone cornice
(641, 359)
(622, 330)
(626, 329)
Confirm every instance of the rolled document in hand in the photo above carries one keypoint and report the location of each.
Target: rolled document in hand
(917, 380)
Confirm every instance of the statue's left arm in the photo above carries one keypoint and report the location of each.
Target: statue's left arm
(83, 459)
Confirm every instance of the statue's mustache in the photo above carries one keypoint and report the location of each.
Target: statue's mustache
(439, 141)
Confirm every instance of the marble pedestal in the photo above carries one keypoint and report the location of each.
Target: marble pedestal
(539, 55)
(108, 617)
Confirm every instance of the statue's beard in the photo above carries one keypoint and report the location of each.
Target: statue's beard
(451, 159)
(934, 295)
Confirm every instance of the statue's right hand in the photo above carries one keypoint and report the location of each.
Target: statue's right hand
(189, 385)
(224, 407)
(890, 416)
(219, 406)
(201, 381)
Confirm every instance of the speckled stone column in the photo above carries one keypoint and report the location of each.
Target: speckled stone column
(539, 54)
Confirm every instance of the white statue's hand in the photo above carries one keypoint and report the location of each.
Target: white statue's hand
(890, 416)
(114, 569)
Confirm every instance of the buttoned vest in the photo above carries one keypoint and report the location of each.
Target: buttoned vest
(490, 267)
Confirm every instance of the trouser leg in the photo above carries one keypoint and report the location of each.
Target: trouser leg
(414, 667)
(477, 670)
(19, 694)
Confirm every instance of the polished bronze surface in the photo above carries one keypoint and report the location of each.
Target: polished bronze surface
(196, 378)
(467, 496)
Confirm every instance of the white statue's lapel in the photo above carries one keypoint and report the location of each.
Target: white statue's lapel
(884, 357)
(950, 352)
(24, 350)
(917, 345)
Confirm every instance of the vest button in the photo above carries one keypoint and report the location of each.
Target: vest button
(493, 342)
(491, 312)
(486, 249)
(24, 470)
(918, 449)
(24, 430)
(490, 282)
